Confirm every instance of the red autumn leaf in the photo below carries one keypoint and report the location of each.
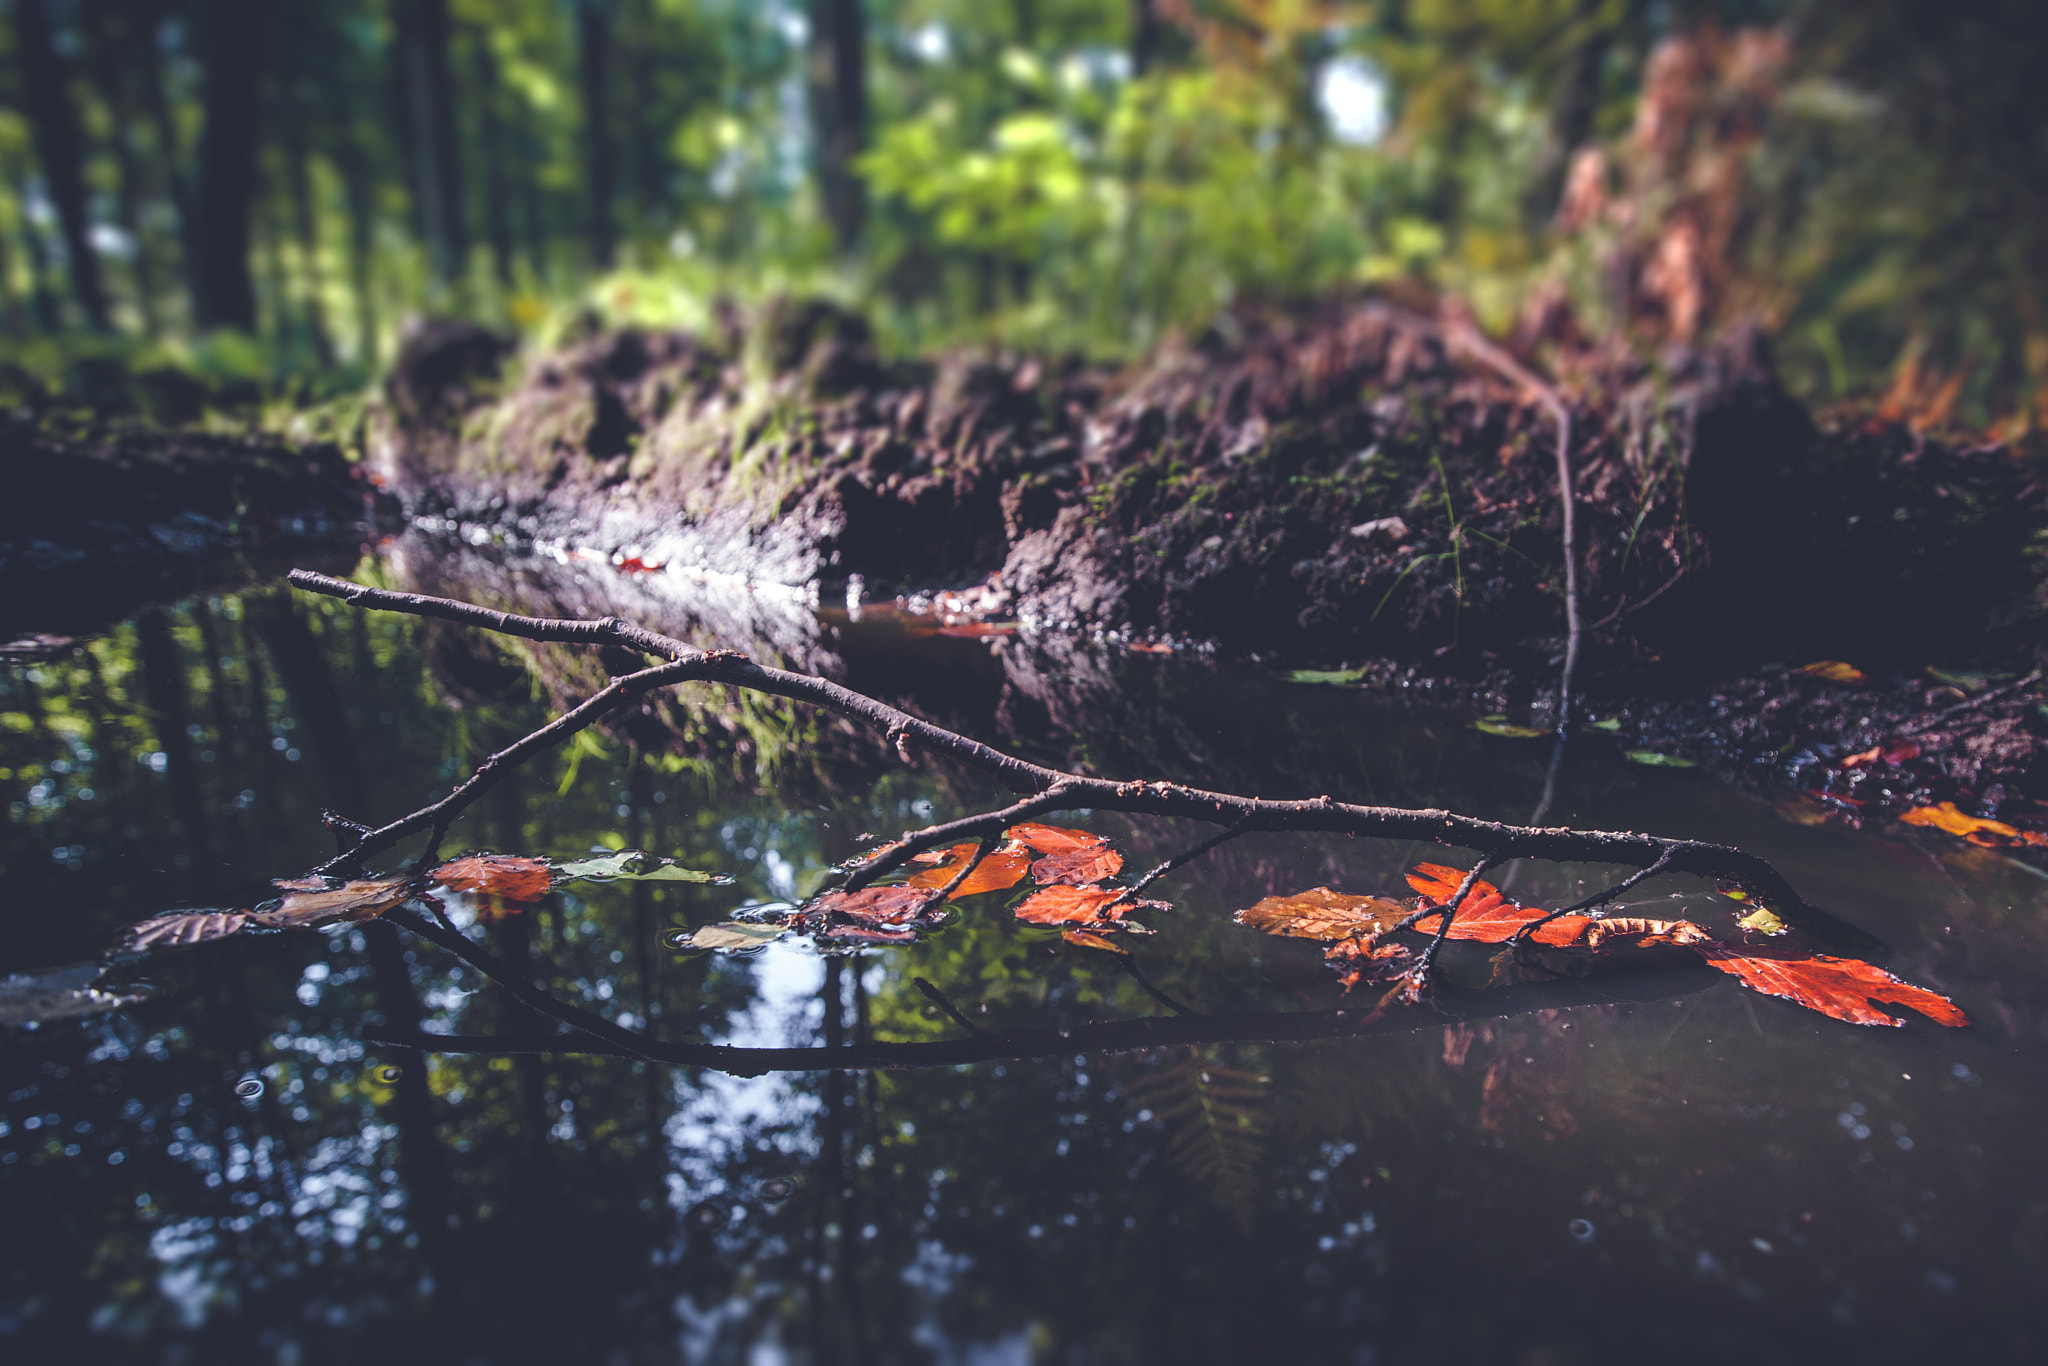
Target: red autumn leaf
(1088, 939)
(1001, 870)
(506, 876)
(1078, 867)
(1486, 916)
(1843, 988)
(1895, 752)
(875, 905)
(1054, 839)
(1063, 905)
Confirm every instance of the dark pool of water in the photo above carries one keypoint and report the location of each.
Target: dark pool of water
(225, 1171)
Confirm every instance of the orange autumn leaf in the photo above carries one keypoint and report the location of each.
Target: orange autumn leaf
(1088, 939)
(1078, 867)
(1842, 988)
(1976, 829)
(1486, 916)
(875, 905)
(1054, 839)
(1320, 913)
(505, 876)
(1001, 870)
(1065, 905)
(1833, 671)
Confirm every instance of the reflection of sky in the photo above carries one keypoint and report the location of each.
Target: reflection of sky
(1353, 97)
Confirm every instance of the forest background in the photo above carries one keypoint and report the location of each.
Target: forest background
(266, 191)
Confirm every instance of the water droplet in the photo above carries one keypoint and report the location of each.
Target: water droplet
(248, 1088)
(387, 1075)
(929, 1011)
(780, 1188)
(709, 1216)
(1581, 1230)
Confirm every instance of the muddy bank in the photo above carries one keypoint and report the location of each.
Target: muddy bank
(108, 515)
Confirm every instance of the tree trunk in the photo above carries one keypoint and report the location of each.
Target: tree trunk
(357, 186)
(1144, 36)
(594, 40)
(217, 254)
(60, 147)
(306, 227)
(491, 138)
(147, 19)
(839, 101)
(430, 110)
(110, 40)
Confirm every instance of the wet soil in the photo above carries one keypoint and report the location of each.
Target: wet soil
(1338, 490)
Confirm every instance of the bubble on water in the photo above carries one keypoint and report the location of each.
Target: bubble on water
(929, 1011)
(1581, 1230)
(709, 1216)
(778, 1188)
(248, 1088)
(388, 1075)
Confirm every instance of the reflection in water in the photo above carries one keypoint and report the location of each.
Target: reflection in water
(226, 1171)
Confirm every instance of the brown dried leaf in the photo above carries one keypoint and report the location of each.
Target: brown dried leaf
(362, 899)
(1077, 867)
(1647, 933)
(180, 929)
(1320, 913)
(1088, 939)
(875, 905)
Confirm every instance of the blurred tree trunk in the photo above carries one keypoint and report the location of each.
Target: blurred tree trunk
(306, 228)
(641, 145)
(428, 128)
(594, 44)
(217, 253)
(110, 42)
(60, 147)
(491, 137)
(1144, 35)
(146, 18)
(358, 190)
(839, 112)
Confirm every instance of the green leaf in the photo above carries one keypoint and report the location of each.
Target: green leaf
(1656, 760)
(636, 865)
(1337, 677)
(1610, 723)
(1500, 725)
(1762, 921)
(733, 935)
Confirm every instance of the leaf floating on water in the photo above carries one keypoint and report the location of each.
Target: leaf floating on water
(1003, 869)
(1501, 726)
(733, 935)
(1088, 939)
(363, 899)
(500, 875)
(633, 864)
(1607, 723)
(1078, 867)
(1842, 988)
(1054, 839)
(1333, 677)
(875, 905)
(1655, 760)
(61, 993)
(1486, 916)
(1761, 921)
(1833, 671)
(1647, 934)
(1320, 913)
(180, 929)
(1068, 905)
(1977, 830)
(315, 883)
